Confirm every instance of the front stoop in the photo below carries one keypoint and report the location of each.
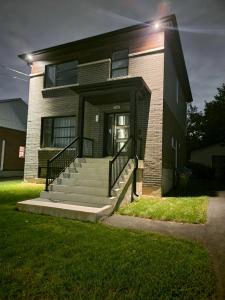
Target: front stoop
(80, 192)
(70, 211)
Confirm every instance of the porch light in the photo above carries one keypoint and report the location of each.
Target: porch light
(97, 118)
(29, 57)
(157, 25)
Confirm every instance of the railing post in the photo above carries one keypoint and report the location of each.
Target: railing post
(110, 179)
(47, 176)
(135, 176)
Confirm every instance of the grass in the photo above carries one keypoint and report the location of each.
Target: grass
(178, 209)
(43, 257)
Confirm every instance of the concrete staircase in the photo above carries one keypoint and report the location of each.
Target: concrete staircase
(81, 192)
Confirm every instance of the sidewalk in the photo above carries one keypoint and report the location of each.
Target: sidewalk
(212, 234)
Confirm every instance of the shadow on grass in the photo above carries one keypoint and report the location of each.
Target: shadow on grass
(11, 178)
(200, 187)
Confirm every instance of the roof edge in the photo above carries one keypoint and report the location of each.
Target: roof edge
(171, 17)
(12, 99)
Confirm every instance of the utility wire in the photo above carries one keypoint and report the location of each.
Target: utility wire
(13, 70)
(14, 77)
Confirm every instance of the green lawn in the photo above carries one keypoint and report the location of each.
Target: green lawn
(44, 257)
(178, 209)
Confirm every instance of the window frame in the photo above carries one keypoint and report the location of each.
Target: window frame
(52, 129)
(115, 60)
(55, 64)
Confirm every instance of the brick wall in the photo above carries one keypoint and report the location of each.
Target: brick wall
(174, 122)
(42, 107)
(94, 72)
(149, 116)
(151, 68)
(63, 105)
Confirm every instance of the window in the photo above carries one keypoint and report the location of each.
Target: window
(119, 63)
(57, 132)
(61, 74)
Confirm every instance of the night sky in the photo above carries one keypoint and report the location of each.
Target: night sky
(31, 25)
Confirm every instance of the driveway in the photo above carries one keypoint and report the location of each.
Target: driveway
(212, 234)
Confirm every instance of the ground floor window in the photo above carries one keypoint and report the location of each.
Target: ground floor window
(58, 132)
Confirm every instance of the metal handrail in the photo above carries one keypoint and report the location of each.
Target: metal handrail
(118, 164)
(58, 163)
(63, 150)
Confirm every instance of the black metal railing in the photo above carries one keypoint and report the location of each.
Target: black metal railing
(119, 162)
(58, 163)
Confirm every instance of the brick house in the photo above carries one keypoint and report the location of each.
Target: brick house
(13, 123)
(126, 89)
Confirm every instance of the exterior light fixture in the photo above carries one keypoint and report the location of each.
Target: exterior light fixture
(29, 57)
(157, 25)
(97, 118)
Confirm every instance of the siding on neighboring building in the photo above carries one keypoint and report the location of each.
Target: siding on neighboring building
(204, 155)
(13, 140)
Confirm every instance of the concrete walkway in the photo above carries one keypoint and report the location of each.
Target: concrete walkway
(212, 234)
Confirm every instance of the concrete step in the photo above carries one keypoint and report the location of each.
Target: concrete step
(70, 211)
(59, 196)
(88, 168)
(85, 190)
(84, 182)
(97, 160)
(83, 176)
(77, 189)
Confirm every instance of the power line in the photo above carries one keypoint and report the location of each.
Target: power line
(13, 70)
(14, 77)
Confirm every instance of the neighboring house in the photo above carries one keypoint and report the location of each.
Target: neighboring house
(13, 123)
(129, 86)
(212, 156)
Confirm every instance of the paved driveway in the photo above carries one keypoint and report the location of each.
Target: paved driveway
(212, 234)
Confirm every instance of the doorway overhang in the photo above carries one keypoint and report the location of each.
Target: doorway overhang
(113, 87)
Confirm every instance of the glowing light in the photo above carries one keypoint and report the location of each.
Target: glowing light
(157, 25)
(29, 57)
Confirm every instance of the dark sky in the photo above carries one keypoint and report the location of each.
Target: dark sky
(31, 25)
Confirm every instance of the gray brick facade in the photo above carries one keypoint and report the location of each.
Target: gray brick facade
(154, 115)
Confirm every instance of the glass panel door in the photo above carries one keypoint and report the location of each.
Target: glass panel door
(117, 132)
(122, 130)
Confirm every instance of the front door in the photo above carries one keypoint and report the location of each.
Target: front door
(117, 132)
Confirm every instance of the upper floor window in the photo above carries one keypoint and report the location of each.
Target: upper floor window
(61, 74)
(57, 131)
(120, 63)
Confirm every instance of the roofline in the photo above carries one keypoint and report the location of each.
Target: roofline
(174, 20)
(12, 99)
(10, 128)
(171, 17)
(222, 144)
(82, 42)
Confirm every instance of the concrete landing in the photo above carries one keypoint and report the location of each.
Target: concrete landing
(65, 210)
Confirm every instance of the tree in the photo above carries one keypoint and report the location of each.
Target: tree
(207, 128)
(195, 128)
(214, 114)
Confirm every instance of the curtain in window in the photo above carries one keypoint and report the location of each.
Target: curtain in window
(58, 132)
